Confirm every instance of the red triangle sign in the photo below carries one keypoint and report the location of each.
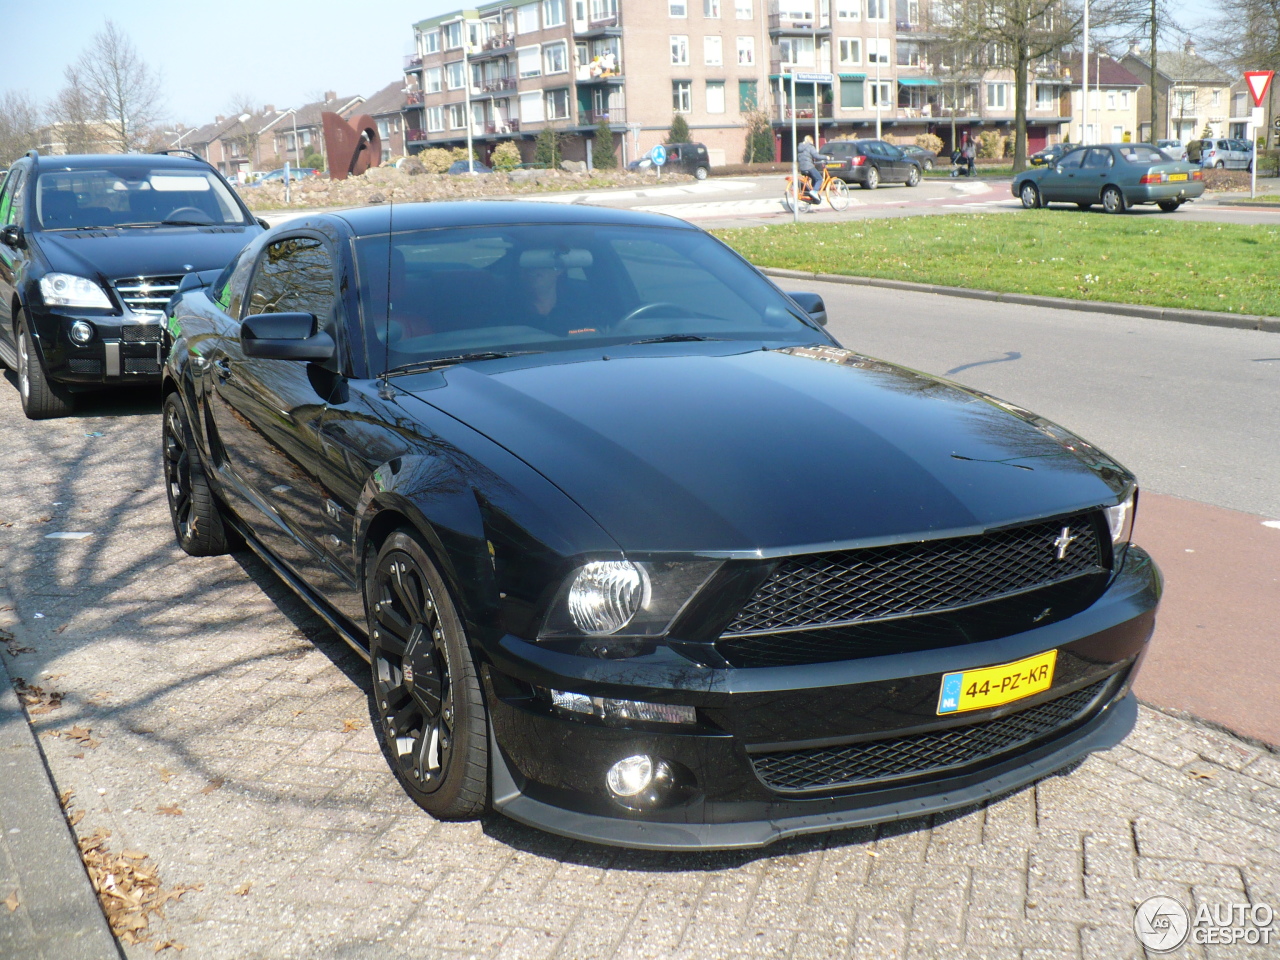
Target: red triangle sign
(1259, 81)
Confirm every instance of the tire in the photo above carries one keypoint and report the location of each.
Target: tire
(1221, 164)
(431, 716)
(838, 195)
(873, 179)
(700, 173)
(193, 509)
(1168, 206)
(41, 398)
(789, 198)
(913, 176)
(1113, 200)
(1029, 195)
(928, 164)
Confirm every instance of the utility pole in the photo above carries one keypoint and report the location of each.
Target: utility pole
(879, 89)
(1084, 80)
(1155, 134)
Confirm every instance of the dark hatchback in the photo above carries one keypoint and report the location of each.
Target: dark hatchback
(91, 249)
(870, 163)
(638, 553)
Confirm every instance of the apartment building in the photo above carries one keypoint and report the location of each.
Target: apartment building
(870, 64)
(1112, 115)
(1192, 95)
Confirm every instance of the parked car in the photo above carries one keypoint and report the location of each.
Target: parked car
(1050, 155)
(927, 158)
(1117, 175)
(468, 166)
(1174, 149)
(277, 176)
(539, 468)
(869, 163)
(1221, 153)
(91, 249)
(688, 158)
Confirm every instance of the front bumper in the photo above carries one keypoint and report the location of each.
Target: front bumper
(124, 350)
(548, 769)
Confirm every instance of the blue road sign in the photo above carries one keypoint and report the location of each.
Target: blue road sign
(658, 155)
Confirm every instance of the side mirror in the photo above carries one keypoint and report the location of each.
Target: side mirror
(811, 304)
(285, 336)
(263, 224)
(11, 236)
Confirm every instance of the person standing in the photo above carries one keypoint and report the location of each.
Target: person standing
(969, 153)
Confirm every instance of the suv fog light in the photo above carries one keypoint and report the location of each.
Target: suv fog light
(81, 332)
(605, 708)
(631, 776)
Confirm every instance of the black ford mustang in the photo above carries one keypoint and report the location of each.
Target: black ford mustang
(637, 552)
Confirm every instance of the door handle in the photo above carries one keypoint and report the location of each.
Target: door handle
(222, 368)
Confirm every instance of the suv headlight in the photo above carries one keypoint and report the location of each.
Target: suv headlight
(68, 290)
(619, 598)
(1120, 519)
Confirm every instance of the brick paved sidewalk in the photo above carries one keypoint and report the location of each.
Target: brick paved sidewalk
(208, 721)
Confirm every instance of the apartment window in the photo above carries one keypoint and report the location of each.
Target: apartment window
(531, 108)
(457, 116)
(555, 58)
(997, 96)
(680, 50)
(878, 49)
(552, 13)
(1216, 99)
(715, 96)
(431, 42)
(908, 11)
(682, 96)
(852, 95)
(796, 51)
(881, 94)
(797, 11)
(432, 81)
(1046, 94)
(603, 9)
(384, 129)
(1184, 102)
(677, 8)
(1124, 99)
(848, 10)
(527, 18)
(1111, 99)
(908, 53)
(746, 51)
(742, 8)
(529, 62)
(455, 75)
(850, 51)
(435, 119)
(453, 35)
(748, 97)
(711, 9)
(877, 9)
(713, 51)
(558, 104)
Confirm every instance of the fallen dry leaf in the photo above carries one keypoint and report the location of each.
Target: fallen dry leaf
(166, 774)
(349, 725)
(129, 892)
(170, 945)
(11, 901)
(1202, 775)
(172, 810)
(133, 854)
(243, 889)
(81, 736)
(77, 756)
(212, 785)
(75, 817)
(65, 797)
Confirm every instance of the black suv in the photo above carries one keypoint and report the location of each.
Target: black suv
(684, 157)
(91, 249)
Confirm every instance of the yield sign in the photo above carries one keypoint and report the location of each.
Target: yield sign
(1259, 81)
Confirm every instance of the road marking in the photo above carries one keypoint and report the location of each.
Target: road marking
(65, 536)
(1273, 524)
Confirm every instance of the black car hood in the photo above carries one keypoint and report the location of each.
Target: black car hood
(143, 251)
(772, 450)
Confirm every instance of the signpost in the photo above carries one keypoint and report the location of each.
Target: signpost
(659, 157)
(1259, 81)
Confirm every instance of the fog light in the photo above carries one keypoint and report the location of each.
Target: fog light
(606, 708)
(81, 332)
(631, 776)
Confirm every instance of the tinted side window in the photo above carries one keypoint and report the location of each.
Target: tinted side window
(231, 294)
(295, 275)
(14, 194)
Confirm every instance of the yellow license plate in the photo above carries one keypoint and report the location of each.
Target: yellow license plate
(993, 686)
(1177, 176)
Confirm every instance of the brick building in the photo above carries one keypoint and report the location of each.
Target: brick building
(1192, 95)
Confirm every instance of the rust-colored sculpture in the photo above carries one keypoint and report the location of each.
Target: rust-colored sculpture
(353, 147)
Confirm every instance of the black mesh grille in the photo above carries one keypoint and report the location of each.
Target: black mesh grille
(823, 589)
(923, 753)
(85, 365)
(141, 365)
(140, 333)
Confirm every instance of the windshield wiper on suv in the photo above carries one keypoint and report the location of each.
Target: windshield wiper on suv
(675, 338)
(421, 366)
(168, 223)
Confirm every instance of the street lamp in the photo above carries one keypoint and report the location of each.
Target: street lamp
(294, 112)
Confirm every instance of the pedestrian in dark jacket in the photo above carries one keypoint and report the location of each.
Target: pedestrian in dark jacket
(969, 152)
(807, 161)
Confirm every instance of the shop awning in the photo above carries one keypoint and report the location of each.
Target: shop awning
(918, 82)
(853, 76)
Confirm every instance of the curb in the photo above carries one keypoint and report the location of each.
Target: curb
(1207, 318)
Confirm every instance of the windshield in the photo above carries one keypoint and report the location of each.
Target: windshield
(560, 287)
(132, 195)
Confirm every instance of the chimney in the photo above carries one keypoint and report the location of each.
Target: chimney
(269, 108)
(331, 95)
(1189, 48)
(1133, 48)
(219, 118)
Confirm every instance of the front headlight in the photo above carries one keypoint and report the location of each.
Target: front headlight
(1120, 518)
(619, 598)
(67, 290)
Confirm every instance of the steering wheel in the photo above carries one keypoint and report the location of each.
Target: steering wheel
(189, 213)
(641, 310)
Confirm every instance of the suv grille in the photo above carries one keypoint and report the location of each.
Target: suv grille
(147, 294)
(141, 365)
(903, 580)
(140, 333)
(858, 764)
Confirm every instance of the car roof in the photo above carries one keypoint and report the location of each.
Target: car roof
(478, 213)
(78, 161)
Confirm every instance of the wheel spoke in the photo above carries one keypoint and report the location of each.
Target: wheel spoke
(404, 719)
(398, 630)
(407, 590)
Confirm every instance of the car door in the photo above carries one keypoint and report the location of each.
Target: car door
(1059, 181)
(267, 412)
(12, 199)
(1096, 171)
(899, 163)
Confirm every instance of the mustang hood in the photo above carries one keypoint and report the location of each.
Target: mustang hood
(772, 450)
(144, 251)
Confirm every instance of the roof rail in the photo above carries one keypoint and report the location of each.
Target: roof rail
(181, 152)
(33, 154)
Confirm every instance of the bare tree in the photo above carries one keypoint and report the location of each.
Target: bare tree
(76, 117)
(19, 125)
(124, 89)
(243, 134)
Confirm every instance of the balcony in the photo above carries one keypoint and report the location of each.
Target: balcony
(613, 115)
(783, 113)
(495, 85)
(500, 126)
(594, 73)
(414, 98)
(414, 135)
(784, 24)
(413, 61)
(605, 27)
(820, 65)
(499, 45)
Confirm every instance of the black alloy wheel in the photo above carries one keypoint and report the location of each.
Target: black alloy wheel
(428, 701)
(42, 399)
(197, 518)
(873, 179)
(1030, 195)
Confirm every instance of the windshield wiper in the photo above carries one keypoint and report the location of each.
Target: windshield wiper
(59, 229)
(421, 366)
(675, 338)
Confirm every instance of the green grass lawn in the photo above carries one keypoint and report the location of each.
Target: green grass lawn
(1154, 260)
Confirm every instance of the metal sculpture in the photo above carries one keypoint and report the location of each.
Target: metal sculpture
(353, 147)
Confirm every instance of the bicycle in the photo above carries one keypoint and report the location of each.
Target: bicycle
(834, 190)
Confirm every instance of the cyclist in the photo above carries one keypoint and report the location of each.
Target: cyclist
(807, 159)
